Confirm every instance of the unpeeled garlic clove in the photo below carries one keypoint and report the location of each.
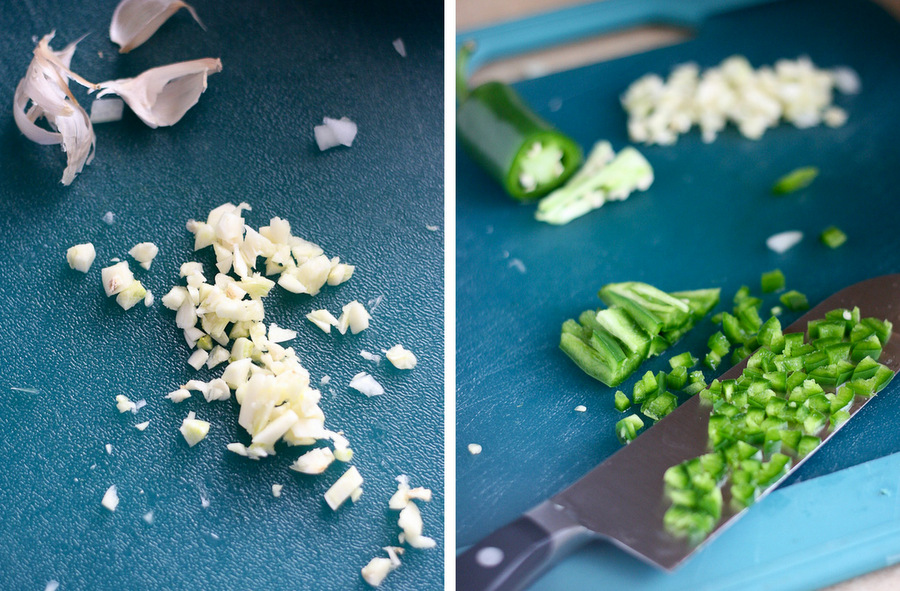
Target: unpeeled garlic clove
(161, 96)
(135, 21)
(44, 92)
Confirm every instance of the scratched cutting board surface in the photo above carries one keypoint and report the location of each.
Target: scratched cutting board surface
(68, 350)
(702, 224)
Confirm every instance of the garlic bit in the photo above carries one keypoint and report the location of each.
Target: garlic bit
(161, 96)
(135, 21)
(44, 92)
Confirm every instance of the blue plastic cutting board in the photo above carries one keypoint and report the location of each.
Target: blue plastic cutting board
(703, 223)
(250, 138)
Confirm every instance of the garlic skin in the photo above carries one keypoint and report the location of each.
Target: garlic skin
(44, 92)
(135, 21)
(161, 96)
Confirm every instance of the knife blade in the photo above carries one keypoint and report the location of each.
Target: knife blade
(622, 500)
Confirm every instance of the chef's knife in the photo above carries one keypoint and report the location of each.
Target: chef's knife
(622, 500)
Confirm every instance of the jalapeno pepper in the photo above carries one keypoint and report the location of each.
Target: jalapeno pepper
(526, 154)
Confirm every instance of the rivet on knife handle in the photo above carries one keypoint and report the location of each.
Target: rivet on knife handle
(515, 554)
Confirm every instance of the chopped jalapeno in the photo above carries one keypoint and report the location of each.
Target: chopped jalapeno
(795, 180)
(833, 237)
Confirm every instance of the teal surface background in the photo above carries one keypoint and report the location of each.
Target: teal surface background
(250, 138)
(703, 223)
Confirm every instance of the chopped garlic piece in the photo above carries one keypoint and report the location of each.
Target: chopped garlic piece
(52, 585)
(370, 356)
(106, 110)
(178, 395)
(375, 572)
(404, 494)
(314, 461)
(135, 21)
(276, 490)
(254, 452)
(116, 278)
(366, 384)
(194, 430)
(280, 335)
(343, 454)
(394, 553)
(142, 426)
(217, 389)
(124, 404)
(378, 568)
(344, 130)
(323, 319)
(198, 359)
(355, 317)
(274, 430)
(175, 298)
(340, 273)
(144, 253)
(401, 358)
(341, 490)
(131, 295)
(109, 448)
(110, 498)
(148, 517)
(190, 268)
(410, 521)
(754, 100)
(197, 386)
(784, 241)
(148, 299)
(335, 132)
(400, 46)
(81, 256)
(834, 117)
(580, 408)
(474, 449)
(357, 492)
(217, 356)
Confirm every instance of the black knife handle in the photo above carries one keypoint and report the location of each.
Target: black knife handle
(515, 554)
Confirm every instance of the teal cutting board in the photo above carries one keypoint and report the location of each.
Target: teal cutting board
(250, 138)
(702, 224)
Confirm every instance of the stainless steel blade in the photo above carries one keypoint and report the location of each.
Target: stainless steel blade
(623, 500)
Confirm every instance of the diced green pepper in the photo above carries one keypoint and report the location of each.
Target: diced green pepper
(659, 406)
(685, 360)
(833, 237)
(795, 180)
(794, 300)
(807, 445)
(621, 401)
(627, 428)
(677, 378)
(772, 281)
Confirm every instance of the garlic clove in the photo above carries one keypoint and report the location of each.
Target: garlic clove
(135, 21)
(161, 96)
